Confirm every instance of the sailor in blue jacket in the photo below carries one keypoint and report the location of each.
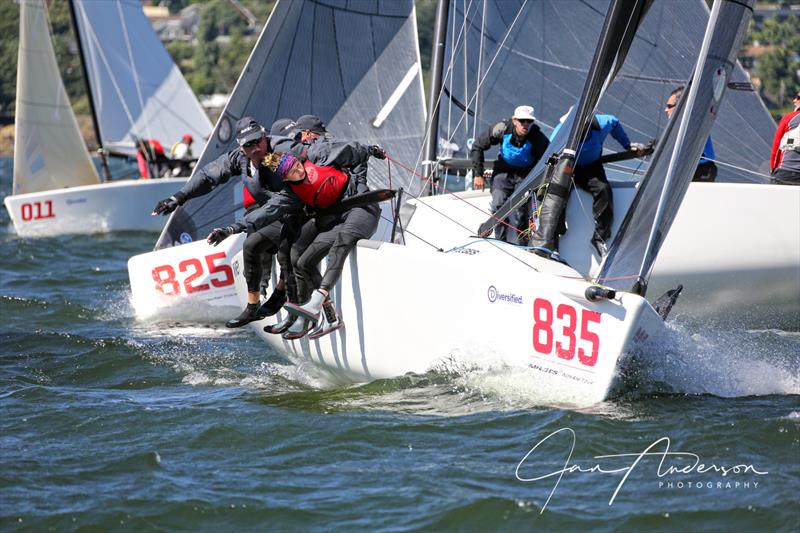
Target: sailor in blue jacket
(522, 144)
(706, 168)
(590, 176)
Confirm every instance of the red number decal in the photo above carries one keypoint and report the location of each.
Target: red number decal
(543, 322)
(198, 271)
(168, 280)
(588, 317)
(565, 348)
(213, 268)
(33, 211)
(567, 311)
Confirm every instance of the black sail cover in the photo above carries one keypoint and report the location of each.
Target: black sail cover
(538, 52)
(634, 249)
(353, 63)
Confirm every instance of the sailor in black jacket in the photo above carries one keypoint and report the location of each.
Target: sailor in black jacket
(522, 144)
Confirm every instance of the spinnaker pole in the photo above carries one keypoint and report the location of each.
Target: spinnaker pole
(100, 150)
(437, 66)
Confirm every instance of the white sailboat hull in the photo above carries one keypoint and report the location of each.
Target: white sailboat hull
(114, 206)
(734, 247)
(192, 281)
(495, 313)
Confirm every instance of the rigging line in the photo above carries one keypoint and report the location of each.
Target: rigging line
(134, 70)
(405, 230)
(735, 167)
(431, 112)
(450, 67)
(439, 98)
(491, 215)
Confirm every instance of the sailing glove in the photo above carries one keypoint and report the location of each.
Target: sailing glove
(168, 205)
(220, 234)
(377, 152)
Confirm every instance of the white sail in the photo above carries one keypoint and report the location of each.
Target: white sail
(49, 152)
(136, 87)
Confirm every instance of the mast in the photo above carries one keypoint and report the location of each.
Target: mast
(437, 65)
(95, 122)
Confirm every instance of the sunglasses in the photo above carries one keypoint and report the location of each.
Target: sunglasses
(797, 96)
(670, 106)
(249, 144)
(524, 121)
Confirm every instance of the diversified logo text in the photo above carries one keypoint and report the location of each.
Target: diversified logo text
(494, 296)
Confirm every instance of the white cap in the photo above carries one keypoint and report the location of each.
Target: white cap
(524, 112)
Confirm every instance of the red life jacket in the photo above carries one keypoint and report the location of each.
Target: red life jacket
(323, 186)
(248, 198)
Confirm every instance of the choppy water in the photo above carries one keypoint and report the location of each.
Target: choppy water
(111, 424)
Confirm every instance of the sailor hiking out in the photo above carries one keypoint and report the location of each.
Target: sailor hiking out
(329, 174)
(522, 144)
(259, 183)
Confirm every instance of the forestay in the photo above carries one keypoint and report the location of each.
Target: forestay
(137, 88)
(44, 117)
(633, 252)
(537, 52)
(354, 64)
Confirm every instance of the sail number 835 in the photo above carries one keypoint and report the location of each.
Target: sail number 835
(168, 284)
(566, 333)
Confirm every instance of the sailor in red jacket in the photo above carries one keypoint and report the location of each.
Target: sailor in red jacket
(785, 158)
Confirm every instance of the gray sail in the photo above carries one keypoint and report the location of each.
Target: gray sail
(137, 89)
(634, 250)
(537, 52)
(355, 64)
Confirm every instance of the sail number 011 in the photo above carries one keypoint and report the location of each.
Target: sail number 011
(565, 341)
(37, 210)
(168, 284)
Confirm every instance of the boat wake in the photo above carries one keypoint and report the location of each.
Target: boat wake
(724, 362)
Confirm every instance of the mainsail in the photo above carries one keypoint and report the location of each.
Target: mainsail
(354, 64)
(49, 152)
(504, 53)
(137, 89)
(633, 252)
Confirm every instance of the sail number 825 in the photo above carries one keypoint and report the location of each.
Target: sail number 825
(560, 330)
(168, 284)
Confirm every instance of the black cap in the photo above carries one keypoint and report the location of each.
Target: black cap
(248, 129)
(310, 122)
(282, 127)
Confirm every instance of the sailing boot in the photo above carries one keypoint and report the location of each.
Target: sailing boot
(309, 310)
(281, 326)
(330, 321)
(298, 330)
(273, 303)
(250, 314)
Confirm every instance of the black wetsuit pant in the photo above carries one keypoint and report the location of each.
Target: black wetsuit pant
(503, 185)
(592, 179)
(261, 245)
(705, 172)
(332, 236)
